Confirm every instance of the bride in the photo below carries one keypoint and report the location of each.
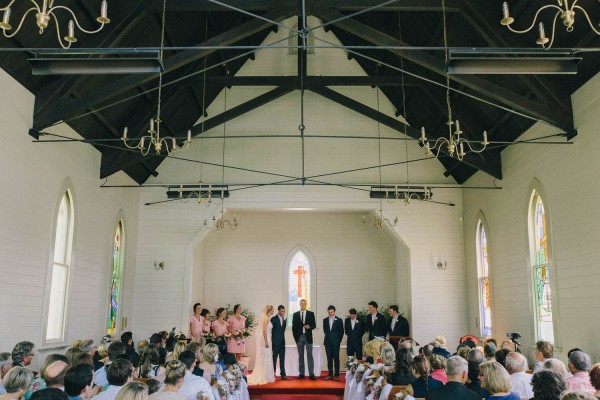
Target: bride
(263, 367)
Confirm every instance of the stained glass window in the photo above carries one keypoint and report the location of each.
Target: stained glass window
(298, 283)
(63, 241)
(115, 282)
(541, 276)
(485, 313)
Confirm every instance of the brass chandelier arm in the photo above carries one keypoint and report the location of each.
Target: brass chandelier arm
(76, 21)
(6, 26)
(508, 25)
(587, 17)
(8, 6)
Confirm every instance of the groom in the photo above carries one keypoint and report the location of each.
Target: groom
(278, 341)
(303, 323)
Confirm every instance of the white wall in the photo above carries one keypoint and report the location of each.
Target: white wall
(569, 178)
(31, 179)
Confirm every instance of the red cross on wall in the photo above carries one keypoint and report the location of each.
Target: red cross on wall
(300, 271)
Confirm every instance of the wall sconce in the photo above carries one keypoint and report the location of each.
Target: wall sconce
(442, 267)
(159, 265)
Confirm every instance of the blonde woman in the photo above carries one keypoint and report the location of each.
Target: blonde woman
(133, 391)
(16, 382)
(174, 377)
(209, 365)
(263, 371)
(496, 380)
(177, 350)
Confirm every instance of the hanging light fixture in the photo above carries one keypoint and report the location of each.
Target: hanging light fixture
(154, 140)
(565, 11)
(379, 221)
(221, 222)
(454, 143)
(43, 15)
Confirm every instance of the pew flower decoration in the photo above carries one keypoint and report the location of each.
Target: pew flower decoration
(360, 371)
(222, 389)
(243, 367)
(351, 364)
(203, 396)
(370, 383)
(237, 374)
(231, 382)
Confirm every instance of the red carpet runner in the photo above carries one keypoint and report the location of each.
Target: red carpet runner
(300, 389)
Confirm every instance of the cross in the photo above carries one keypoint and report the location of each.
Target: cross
(300, 271)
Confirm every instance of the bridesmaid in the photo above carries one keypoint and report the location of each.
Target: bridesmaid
(196, 323)
(207, 325)
(236, 323)
(219, 326)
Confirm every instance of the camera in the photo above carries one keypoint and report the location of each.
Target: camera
(513, 335)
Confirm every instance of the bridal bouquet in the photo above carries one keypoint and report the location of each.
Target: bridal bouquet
(208, 335)
(222, 389)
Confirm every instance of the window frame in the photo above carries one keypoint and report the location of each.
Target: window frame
(313, 281)
(66, 189)
(482, 224)
(120, 221)
(537, 190)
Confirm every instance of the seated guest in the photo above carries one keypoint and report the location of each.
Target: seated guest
(178, 348)
(153, 386)
(158, 341)
(118, 373)
(50, 394)
(127, 338)
(114, 351)
(543, 351)
(133, 391)
(196, 348)
(141, 346)
(209, 363)
(388, 357)
(577, 395)
(79, 382)
(438, 363)
(423, 383)
(463, 351)
(501, 356)
(193, 386)
(475, 358)
(496, 380)
(547, 385)
(39, 382)
(516, 365)
(150, 364)
(555, 364)
(22, 354)
(5, 365)
(579, 365)
(439, 347)
(507, 344)
(72, 353)
(174, 377)
(490, 340)
(595, 379)
(489, 351)
(54, 375)
(402, 374)
(88, 346)
(84, 358)
(408, 344)
(457, 374)
(16, 382)
(426, 350)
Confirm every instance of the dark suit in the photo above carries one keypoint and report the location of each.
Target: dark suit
(453, 391)
(400, 328)
(379, 328)
(278, 343)
(354, 342)
(304, 339)
(333, 339)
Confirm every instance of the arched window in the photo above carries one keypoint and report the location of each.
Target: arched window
(483, 266)
(542, 296)
(299, 271)
(63, 242)
(115, 281)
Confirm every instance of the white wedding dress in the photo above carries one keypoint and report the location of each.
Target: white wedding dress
(263, 366)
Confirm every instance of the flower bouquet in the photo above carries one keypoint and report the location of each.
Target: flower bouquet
(208, 335)
(222, 388)
(370, 383)
(231, 382)
(243, 368)
(351, 364)
(360, 371)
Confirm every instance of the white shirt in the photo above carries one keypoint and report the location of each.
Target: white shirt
(108, 394)
(521, 384)
(302, 318)
(100, 376)
(192, 385)
(394, 320)
(331, 319)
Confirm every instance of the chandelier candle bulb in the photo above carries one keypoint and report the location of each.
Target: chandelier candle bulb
(542, 33)
(485, 138)
(125, 134)
(71, 32)
(151, 125)
(189, 138)
(507, 20)
(423, 137)
(5, 20)
(174, 143)
(103, 18)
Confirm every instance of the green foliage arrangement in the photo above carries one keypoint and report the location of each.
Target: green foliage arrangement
(250, 316)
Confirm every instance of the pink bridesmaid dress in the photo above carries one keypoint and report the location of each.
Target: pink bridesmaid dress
(197, 325)
(219, 329)
(206, 326)
(232, 344)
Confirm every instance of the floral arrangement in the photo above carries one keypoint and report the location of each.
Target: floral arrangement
(243, 368)
(208, 335)
(231, 382)
(241, 335)
(351, 364)
(250, 317)
(360, 371)
(238, 375)
(222, 389)
(370, 383)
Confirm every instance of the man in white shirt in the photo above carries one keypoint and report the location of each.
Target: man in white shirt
(193, 387)
(118, 373)
(516, 364)
(579, 365)
(114, 350)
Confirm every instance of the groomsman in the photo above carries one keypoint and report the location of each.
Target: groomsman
(278, 341)
(398, 325)
(376, 322)
(303, 323)
(355, 329)
(334, 333)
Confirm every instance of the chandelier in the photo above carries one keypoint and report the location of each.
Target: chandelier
(454, 143)
(404, 193)
(564, 10)
(43, 15)
(154, 140)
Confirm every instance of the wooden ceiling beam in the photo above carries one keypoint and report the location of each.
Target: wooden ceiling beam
(109, 167)
(555, 117)
(492, 168)
(318, 80)
(127, 83)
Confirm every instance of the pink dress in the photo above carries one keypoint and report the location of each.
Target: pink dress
(219, 329)
(232, 344)
(197, 325)
(206, 326)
